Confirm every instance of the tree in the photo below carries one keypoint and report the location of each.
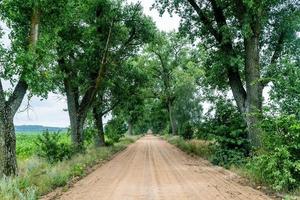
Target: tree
(238, 32)
(24, 64)
(166, 55)
(111, 33)
(133, 92)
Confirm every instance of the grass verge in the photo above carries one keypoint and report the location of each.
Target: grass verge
(205, 150)
(200, 148)
(37, 177)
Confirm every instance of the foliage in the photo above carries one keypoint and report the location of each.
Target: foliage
(278, 163)
(50, 147)
(225, 125)
(186, 131)
(115, 129)
(27, 143)
(284, 94)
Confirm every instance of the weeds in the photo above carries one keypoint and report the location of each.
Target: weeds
(200, 148)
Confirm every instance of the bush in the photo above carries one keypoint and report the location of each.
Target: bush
(50, 147)
(115, 129)
(278, 163)
(186, 131)
(89, 135)
(227, 128)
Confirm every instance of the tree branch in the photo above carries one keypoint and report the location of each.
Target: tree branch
(233, 74)
(115, 104)
(278, 48)
(205, 20)
(17, 96)
(91, 92)
(276, 54)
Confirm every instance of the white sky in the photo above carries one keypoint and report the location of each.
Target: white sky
(50, 112)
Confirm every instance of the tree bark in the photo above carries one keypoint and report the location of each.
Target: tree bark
(8, 161)
(254, 89)
(76, 118)
(171, 117)
(99, 137)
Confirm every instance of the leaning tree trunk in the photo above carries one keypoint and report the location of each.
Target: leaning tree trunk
(171, 117)
(99, 137)
(254, 88)
(8, 161)
(8, 109)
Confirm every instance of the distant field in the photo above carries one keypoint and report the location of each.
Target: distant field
(26, 143)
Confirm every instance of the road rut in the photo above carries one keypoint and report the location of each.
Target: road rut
(152, 169)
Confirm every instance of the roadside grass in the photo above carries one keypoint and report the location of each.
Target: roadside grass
(37, 177)
(205, 149)
(200, 148)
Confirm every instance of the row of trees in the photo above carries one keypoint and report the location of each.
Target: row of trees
(245, 41)
(105, 55)
(77, 48)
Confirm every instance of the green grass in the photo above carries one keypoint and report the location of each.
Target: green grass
(26, 143)
(38, 177)
(200, 148)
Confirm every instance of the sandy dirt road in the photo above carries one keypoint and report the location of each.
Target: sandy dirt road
(152, 169)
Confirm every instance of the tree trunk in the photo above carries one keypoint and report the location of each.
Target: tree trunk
(76, 119)
(254, 90)
(249, 101)
(77, 123)
(99, 138)
(172, 121)
(8, 161)
(130, 128)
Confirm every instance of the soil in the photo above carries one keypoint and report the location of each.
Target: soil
(152, 169)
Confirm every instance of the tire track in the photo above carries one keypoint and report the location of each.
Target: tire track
(152, 169)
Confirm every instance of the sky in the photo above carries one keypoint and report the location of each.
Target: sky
(52, 111)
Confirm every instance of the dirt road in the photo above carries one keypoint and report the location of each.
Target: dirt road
(152, 169)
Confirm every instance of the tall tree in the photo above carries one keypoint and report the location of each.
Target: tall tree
(239, 31)
(111, 32)
(166, 55)
(24, 64)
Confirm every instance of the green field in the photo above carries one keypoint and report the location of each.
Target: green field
(26, 143)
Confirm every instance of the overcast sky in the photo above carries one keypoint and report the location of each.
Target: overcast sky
(50, 112)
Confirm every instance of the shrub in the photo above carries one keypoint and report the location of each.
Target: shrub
(89, 135)
(115, 129)
(227, 128)
(186, 131)
(50, 147)
(278, 162)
